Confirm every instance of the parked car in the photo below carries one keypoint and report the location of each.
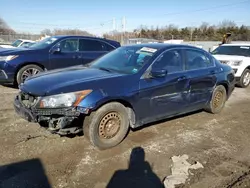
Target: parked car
(17, 43)
(27, 45)
(238, 57)
(51, 53)
(128, 87)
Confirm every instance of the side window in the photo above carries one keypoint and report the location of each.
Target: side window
(69, 45)
(197, 60)
(24, 43)
(91, 45)
(108, 47)
(170, 61)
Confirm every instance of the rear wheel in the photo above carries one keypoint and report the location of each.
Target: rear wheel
(245, 79)
(108, 126)
(26, 71)
(218, 100)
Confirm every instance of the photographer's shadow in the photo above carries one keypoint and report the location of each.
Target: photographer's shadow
(138, 175)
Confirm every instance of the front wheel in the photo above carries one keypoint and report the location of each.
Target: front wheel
(218, 100)
(26, 71)
(108, 126)
(245, 79)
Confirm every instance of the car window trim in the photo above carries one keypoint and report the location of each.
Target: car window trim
(183, 48)
(147, 71)
(206, 55)
(64, 40)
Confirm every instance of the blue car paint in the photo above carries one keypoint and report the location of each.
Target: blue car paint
(149, 99)
(47, 60)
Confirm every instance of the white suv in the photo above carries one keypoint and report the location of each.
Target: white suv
(238, 57)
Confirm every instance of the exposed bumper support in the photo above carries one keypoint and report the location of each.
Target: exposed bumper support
(60, 121)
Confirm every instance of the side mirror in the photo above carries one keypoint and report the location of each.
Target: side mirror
(56, 50)
(156, 73)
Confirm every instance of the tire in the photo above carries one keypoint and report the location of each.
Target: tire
(242, 82)
(20, 74)
(219, 95)
(95, 125)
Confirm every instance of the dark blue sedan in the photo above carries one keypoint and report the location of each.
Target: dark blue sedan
(16, 64)
(128, 87)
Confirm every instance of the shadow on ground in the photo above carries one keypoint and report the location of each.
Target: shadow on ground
(25, 174)
(139, 173)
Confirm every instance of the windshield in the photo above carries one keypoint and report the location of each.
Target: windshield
(16, 43)
(127, 60)
(44, 43)
(232, 50)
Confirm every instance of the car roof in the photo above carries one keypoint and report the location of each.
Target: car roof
(25, 40)
(162, 46)
(83, 36)
(237, 44)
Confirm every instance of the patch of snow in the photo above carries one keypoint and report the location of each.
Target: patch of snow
(180, 171)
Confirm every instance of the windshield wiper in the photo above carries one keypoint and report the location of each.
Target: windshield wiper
(105, 69)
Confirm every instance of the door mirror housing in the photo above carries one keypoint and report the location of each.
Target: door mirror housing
(56, 49)
(156, 73)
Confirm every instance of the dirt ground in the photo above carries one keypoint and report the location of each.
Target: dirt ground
(221, 143)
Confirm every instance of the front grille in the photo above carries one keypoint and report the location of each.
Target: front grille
(27, 100)
(224, 62)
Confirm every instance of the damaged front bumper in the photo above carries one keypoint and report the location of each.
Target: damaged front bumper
(62, 121)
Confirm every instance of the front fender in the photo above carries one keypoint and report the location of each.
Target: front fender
(96, 99)
(91, 101)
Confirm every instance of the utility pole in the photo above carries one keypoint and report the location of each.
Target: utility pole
(114, 24)
(123, 29)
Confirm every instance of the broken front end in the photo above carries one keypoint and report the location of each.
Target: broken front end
(58, 113)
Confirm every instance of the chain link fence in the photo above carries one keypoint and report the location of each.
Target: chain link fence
(7, 39)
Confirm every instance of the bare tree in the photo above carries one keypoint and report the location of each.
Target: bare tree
(4, 28)
(227, 23)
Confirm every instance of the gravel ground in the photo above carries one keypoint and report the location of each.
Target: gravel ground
(29, 154)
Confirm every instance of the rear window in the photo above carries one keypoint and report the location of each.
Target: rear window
(232, 50)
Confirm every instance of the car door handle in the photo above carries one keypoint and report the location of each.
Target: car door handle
(181, 78)
(212, 71)
(77, 56)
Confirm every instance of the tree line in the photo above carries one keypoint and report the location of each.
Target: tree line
(204, 32)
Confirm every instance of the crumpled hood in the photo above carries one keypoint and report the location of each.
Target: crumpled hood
(65, 80)
(229, 57)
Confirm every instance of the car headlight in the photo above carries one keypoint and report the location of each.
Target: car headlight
(8, 58)
(235, 63)
(63, 100)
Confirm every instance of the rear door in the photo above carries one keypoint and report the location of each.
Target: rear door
(92, 49)
(202, 72)
(68, 56)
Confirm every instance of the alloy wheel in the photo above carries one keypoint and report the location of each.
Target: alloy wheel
(246, 78)
(29, 72)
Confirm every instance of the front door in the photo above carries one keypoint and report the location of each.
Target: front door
(68, 56)
(164, 96)
(202, 72)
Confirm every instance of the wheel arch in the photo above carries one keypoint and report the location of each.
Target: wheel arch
(27, 63)
(128, 105)
(248, 67)
(225, 84)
